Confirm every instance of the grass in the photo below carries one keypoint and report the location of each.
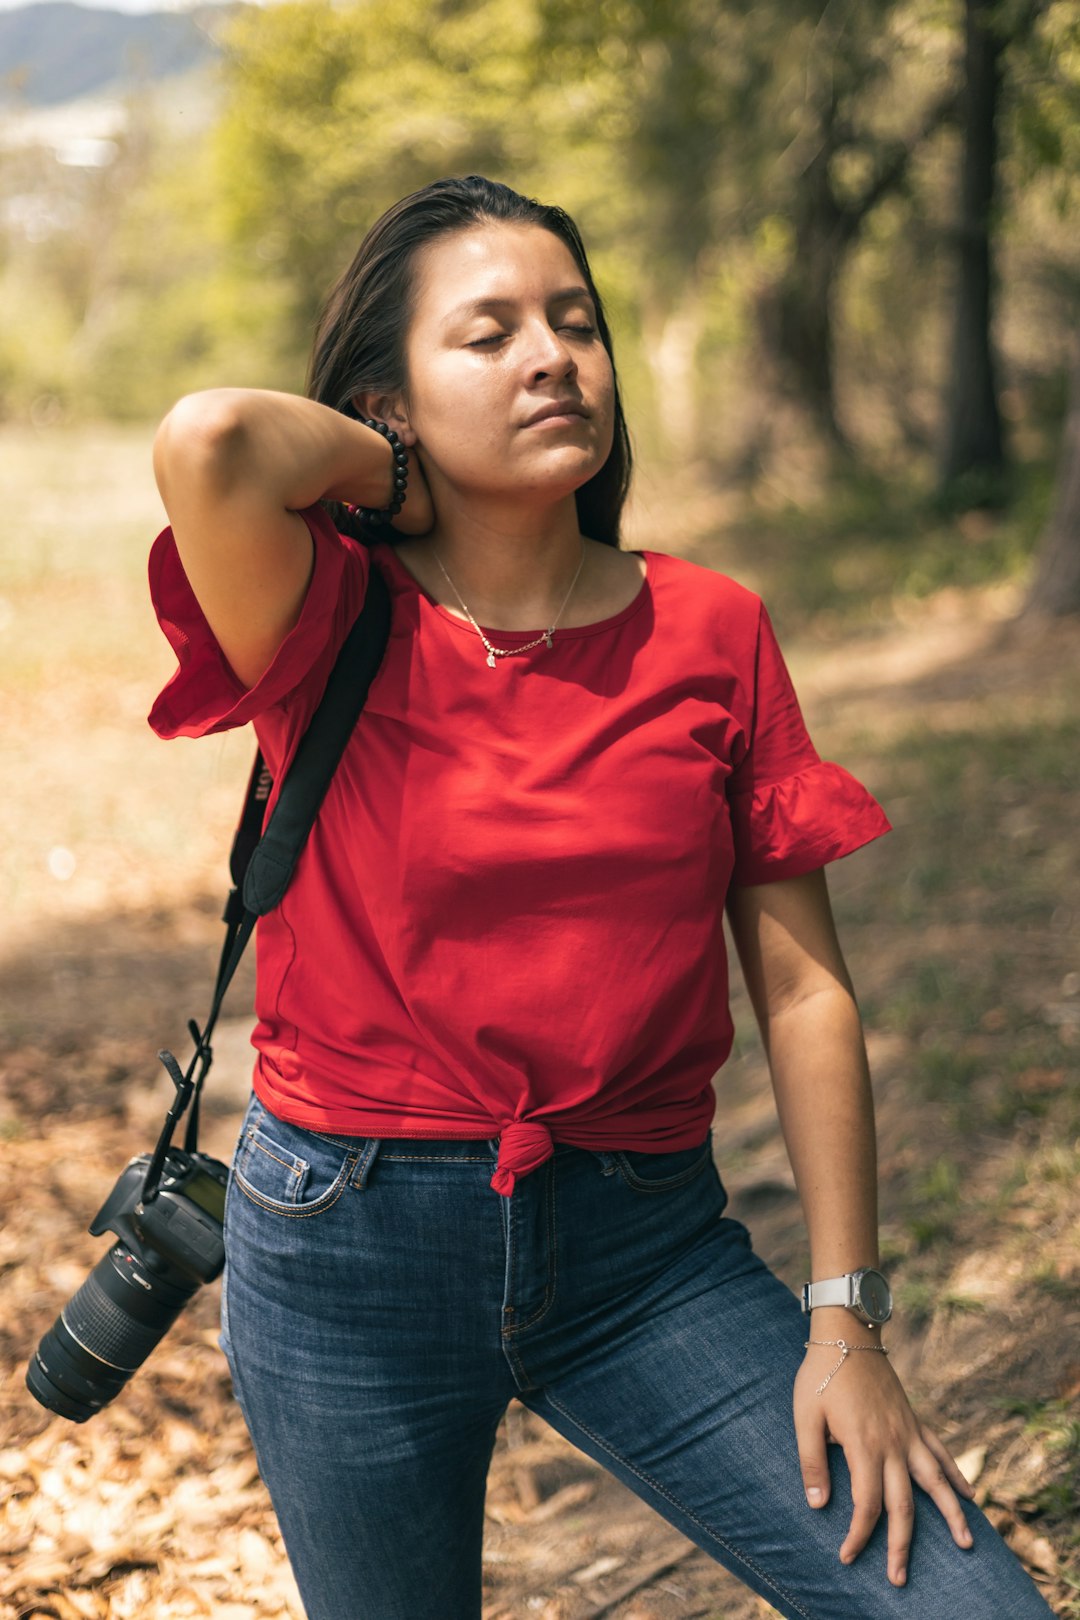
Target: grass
(1047, 1280)
(917, 1299)
(967, 919)
(1053, 1425)
(986, 864)
(871, 542)
(935, 1195)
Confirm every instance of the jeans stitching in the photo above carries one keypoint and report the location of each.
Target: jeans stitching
(664, 1492)
(439, 1158)
(353, 1144)
(317, 1207)
(549, 1293)
(361, 1162)
(293, 1169)
(511, 1255)
(670, 1184)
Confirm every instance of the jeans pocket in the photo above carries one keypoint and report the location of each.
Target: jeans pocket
(288, 1170)
(662, 1172)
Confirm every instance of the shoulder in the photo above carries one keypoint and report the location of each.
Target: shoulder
(703, 596)
(680, 573)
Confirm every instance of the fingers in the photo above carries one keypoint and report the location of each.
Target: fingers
(929, 1472)
(885, 1460)
(952, 1471)
(891, 1488)
(900, 1507)
(813, 1458)
(866, 1496)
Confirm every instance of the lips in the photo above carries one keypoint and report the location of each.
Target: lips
(557, 407)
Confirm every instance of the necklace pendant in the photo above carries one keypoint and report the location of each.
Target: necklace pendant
(547, 637)
(491, 660)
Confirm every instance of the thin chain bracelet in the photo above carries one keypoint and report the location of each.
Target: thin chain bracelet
(845, 1349)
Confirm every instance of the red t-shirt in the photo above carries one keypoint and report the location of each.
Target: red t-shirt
(507, 920)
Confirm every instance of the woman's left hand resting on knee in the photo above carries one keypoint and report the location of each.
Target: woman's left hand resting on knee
(810, 1025)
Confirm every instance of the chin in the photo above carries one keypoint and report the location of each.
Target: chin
(564, 471)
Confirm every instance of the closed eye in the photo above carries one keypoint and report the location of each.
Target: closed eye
(581, 330)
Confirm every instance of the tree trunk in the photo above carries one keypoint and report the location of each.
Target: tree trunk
(795, 314)
(1056, 586)
(672, 337)
(972, 441)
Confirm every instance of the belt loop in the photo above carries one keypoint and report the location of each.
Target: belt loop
(607, 1161)
(368, 1154)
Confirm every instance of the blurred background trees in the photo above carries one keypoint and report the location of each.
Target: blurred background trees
(838, 240)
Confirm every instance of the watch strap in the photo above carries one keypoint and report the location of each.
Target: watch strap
(831, 1291)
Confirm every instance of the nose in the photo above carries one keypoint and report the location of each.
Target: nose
(550, 355)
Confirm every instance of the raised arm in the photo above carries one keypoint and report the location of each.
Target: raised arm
(234, 467)
(804, 1003)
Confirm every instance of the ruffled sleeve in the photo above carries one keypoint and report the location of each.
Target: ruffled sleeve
(791, 811)
(204, 695)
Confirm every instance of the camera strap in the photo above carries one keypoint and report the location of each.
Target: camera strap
(262, 860)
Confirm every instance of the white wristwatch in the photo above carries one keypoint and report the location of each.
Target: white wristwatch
(865, 1293)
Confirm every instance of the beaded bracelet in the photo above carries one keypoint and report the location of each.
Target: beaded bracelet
(375, 514)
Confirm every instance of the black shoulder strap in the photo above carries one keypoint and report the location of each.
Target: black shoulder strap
(261, 867)
(320, 749)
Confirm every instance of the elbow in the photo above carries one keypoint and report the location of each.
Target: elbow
(202, 440)
(827, 997)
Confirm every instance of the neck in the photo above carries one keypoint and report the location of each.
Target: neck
(512, 566)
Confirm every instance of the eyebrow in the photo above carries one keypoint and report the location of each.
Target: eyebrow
(484, 306)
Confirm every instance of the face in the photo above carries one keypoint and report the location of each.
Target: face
(510, 390)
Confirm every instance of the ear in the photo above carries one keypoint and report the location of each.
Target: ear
(388, 408)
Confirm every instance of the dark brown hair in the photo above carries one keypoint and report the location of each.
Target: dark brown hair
(360, 337)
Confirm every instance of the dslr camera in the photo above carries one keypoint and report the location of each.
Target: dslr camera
(168, 1211)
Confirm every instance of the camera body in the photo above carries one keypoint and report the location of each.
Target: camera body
(168, 1245)
(184, 1221)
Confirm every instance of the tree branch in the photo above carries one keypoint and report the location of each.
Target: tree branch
(895, 165)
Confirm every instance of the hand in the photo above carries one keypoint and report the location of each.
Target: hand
(865, 1410)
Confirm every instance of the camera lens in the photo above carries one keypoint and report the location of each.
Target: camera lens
(105, 1332)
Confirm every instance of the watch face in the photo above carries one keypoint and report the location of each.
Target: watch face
(874, 1296)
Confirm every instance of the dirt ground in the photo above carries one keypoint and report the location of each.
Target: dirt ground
(961, 931)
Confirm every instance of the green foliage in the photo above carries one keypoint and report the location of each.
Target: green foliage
(682, 135)
(332, 115)
(873, 538)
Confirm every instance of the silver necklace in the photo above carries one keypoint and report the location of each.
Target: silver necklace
(508, 652)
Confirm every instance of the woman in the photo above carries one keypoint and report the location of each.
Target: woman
(477, 1160)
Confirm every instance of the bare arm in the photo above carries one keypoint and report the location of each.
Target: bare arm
(234, 466)
(805, 1007)
(804, 1003)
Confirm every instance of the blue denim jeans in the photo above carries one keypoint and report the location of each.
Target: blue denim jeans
(382, 1305)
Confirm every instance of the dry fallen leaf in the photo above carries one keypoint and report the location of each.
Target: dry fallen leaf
(1035, 1550)
(602, 1566)
(167, 1472)
(971, 1463)
(559, 1501)
(257, 1557)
